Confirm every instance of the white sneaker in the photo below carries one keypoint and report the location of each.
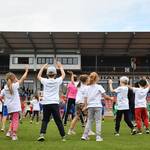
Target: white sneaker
(84, 138)
(14, 137)
(99, 139)
(91, 133)
(71, 132)
(8, 134)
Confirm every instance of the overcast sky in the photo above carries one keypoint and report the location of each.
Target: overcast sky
(75, 15)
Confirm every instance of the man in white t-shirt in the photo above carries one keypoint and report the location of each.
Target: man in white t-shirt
(51, 99)
(123, 104)
(141, 113)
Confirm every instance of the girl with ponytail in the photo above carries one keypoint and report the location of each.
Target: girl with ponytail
(93, 98)
(12, 100)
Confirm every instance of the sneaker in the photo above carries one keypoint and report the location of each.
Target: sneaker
(116, 134)
(91, 133)
(84, 138)
(8, 134)
(2, 130)
(41, 138)
(71, 132)
(147, 131)
(14, 137)
(83, 125)
(133, 131)
(99, 139)
(64, 139)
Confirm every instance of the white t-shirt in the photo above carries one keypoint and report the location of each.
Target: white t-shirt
(122, 97)
(1, 106)
(51, 90)
(12, 101)
(81, 94)
(28, 108)
(94, 95)
(36, 105)
(140, 97)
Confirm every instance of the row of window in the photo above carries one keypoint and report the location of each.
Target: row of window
(44, 60)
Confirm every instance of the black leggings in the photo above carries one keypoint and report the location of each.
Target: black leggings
(70, 103)
(126, 119)
(28, 112)
(48, 110)
(35, 113)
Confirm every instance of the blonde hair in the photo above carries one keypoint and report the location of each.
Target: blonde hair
(10, 78)
(93, 78)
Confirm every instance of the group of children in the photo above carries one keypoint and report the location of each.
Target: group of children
(85, 95)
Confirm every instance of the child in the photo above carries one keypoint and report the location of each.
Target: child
(1, 105)
(93, 97)
(141, 113)
(36, 108)
(79, 102)
(71, 95)
(51, 99)
(28, 109)
(122, 104)
(12, 100)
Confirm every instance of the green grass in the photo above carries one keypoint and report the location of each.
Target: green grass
(28, 134)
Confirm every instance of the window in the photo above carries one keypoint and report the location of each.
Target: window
(68, 60)
(15, 60)
(75, 60)
(31, 60)
(44, 60)
(64, 61)
(23, 60)
(39, 60)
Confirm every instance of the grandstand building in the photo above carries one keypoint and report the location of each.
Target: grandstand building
(111, 54)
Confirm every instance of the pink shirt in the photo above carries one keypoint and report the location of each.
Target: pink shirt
(71, 90)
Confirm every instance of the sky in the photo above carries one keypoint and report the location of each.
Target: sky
(75, 15)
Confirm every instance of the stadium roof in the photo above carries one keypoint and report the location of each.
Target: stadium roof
(86, 43)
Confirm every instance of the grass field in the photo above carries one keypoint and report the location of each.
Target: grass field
(28, 134)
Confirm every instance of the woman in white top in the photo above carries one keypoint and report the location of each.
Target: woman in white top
(93, 97)
(12, 100)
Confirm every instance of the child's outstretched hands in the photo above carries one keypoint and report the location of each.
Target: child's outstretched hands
(59, 65)
(26, 68)
(110, 81)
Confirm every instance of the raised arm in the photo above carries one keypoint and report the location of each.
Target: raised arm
(107, 97)
(39, 76)
(110, 85)
(60, 66)
(24, 75)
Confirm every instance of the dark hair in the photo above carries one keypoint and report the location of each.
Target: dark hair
(83, 79)
(75, 78)
(142, 82)
(51, 75)
(136, 84)
(36, 95)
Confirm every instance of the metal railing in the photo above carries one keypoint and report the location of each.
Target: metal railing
(115, 69)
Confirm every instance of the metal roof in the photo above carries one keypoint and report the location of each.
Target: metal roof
(86, 43)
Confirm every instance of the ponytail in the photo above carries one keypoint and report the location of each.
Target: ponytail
(93, 78)
(79, 85)
(10, 78)
(9, 84)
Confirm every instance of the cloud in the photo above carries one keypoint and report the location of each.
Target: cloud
(74, 15)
